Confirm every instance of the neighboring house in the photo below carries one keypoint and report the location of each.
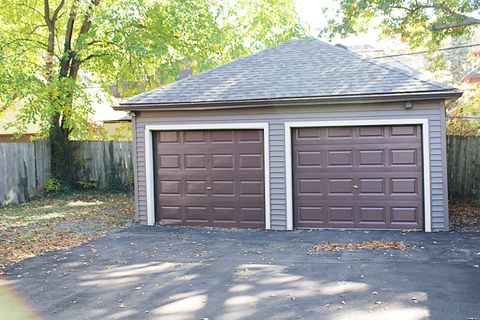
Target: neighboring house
(473, 76)
(113, 125)
(301, 135)
(7, 134)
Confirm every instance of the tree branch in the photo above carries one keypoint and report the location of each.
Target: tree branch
(46, 14)
(57, 11)
(51, 42)
(84, 29)
(43, 45)
(93, 55)
(465, 20)
(103, 42)
(464, 23)
(67, 53)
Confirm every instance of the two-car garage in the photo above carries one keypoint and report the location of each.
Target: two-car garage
(302, 135)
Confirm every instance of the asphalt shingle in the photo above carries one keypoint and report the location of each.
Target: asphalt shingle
(293, 69)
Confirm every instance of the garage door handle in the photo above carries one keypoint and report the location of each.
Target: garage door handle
(355, 187)
(209, 188)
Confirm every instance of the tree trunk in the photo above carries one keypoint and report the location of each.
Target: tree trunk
(61, 157)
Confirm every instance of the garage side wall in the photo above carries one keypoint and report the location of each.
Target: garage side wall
(276, 117)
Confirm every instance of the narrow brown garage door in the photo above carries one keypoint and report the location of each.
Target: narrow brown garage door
(358, 177)
(210, 178)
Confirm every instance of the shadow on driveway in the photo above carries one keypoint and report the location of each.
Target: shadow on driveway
(189, 273)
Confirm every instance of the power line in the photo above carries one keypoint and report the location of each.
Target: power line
(465, 117)
(426, 51)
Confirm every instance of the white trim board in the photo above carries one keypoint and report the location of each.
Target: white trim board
(149, 168)
(353, 123)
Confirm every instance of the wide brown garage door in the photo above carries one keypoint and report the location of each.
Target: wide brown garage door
(210, 178)
(358, 177)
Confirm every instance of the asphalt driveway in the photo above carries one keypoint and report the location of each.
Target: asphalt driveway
(185, 273)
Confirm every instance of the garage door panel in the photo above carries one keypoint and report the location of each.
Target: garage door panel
(372, 214)
(358, 177)
(222, 136)
(250, 161)
(196, 214)
(195, 137)
(195, 187)
(340, 186)
(309, 158)
(251, 188)
(251, 216)
(248, 136)
(169, 137)
(341, 214)
(210, 178)
(336, 133)
(222, 161)
(370, 158)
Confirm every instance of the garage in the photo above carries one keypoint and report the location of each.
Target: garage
(366, 177)
(301, 135)
(210, 178)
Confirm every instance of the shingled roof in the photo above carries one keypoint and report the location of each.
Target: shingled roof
(296, 69)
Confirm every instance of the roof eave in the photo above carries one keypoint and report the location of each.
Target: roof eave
(325, 100)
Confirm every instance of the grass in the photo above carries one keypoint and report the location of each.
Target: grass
(60, 221)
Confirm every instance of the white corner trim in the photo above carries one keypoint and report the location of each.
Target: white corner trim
(352, 123)
(149, 174)
(149, 168)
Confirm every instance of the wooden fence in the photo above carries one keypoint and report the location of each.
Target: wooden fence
(24, 167)
(110, 162)
(463, 160)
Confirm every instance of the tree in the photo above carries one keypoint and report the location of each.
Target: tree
(419, 22)
(51, 51)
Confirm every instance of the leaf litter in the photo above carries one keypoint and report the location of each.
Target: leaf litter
(364, 245)
(58, 222)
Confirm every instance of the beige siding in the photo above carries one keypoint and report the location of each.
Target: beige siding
(277, 116)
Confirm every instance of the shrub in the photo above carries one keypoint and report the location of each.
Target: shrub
(87, 183)
(53, 185)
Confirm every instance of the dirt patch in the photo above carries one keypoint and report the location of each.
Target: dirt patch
(364, 245)
(465, 216)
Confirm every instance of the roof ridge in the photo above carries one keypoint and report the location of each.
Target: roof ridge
(389, 67)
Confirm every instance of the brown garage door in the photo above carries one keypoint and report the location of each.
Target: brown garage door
(358, 177)
(210, 178)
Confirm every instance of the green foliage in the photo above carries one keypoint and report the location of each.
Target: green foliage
(467, 105)
(51, 55)
(423, 23)
(86, 183)
(81, 175)
(53, 185)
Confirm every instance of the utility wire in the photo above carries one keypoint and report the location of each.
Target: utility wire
(426, 51)
(465, 117)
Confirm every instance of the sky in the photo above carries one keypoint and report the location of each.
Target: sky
(311, 13)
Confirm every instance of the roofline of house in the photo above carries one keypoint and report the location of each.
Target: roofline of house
(117, 121)
(325, 100)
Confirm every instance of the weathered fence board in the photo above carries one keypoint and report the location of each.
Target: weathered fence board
(24, 168)
(463, 160)
(110, 162)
